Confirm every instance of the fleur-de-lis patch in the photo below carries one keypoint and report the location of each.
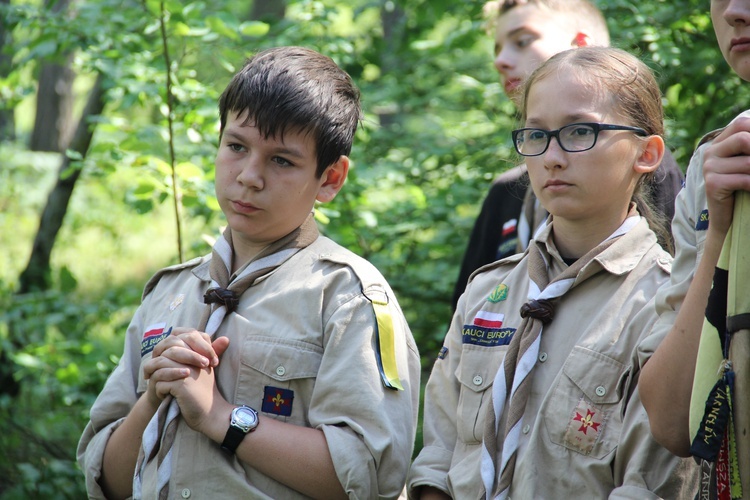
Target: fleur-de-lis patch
(277, 401)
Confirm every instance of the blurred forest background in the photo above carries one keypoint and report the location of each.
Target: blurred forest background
(108, 108)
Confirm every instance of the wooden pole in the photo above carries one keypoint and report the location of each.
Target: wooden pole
(738, 303)
(739, 354)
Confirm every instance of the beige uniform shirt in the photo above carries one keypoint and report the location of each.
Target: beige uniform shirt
(307, 328)
(689, 228)
(585, 433)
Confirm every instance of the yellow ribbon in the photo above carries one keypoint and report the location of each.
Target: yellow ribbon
(386, 348)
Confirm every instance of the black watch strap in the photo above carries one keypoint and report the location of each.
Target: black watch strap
(232, 439)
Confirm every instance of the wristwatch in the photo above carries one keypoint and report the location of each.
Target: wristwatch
(243, 420)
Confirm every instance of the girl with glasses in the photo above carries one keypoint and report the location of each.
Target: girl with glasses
(534, 393)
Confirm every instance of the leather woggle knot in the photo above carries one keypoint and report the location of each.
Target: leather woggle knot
(222, 296)
(542, 309)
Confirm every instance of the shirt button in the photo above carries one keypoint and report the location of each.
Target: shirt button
(543, 357)
(601, 391)
(526, 428)
(280, 371)
(477, 380)
(185, 493)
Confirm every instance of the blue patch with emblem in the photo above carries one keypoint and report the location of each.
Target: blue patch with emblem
(486, 337)
(443, 353)
(277, 401)
(702, 223)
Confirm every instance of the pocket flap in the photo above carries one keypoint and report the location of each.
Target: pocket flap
(600, 377)
(479, 365)
(282, 359)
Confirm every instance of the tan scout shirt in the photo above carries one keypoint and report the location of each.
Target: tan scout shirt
(305, 327)
(585, 433)
(689, 228)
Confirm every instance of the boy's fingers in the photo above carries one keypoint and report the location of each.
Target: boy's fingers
(734, 140)
(191, 339)
(156, 365)
(200, 342)
(220, 346)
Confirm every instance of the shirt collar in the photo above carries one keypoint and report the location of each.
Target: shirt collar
(618, 259)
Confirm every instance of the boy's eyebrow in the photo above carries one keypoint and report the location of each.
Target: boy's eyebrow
(281, 149)
(514, 31)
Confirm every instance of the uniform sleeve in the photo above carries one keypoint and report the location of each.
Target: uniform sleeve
(642, 468)
(370, 429)
(688, 207)
(440, 430)
(110, 409)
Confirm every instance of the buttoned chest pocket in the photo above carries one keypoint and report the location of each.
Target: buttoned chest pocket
(584, 411)
(476, 371)
(277, 377)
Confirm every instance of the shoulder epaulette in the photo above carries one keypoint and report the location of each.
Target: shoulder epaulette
(511, 260)
(385, 340)
(177, 267)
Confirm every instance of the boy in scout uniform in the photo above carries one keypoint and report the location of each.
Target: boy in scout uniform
(678, 379)
(279, 366)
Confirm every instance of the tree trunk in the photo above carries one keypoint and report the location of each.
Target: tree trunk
(7, 121)
(36, 276)
(393, 19)
(54, 99)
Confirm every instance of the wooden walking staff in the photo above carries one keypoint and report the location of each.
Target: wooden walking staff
(738, 309)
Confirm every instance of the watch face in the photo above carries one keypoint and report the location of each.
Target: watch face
(245, 418)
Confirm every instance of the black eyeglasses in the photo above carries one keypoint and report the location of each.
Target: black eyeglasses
(572, 138)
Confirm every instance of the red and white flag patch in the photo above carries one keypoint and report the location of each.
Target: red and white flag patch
(488, 319)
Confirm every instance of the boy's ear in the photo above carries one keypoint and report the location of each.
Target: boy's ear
(651, 155)
(333, 179)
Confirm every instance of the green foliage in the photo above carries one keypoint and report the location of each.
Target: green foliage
(436, 133)
(61, 365)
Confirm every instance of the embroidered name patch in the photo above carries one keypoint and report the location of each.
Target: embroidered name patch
(153, 335)
(586, 423)
(487, 337)
(702, 223)
(277, 401)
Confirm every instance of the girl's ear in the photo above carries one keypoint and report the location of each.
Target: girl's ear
(651, 155)
(333, 179)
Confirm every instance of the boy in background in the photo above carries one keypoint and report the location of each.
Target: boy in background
(281, 365)
(527, 33)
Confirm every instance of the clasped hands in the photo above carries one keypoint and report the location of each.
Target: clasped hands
(183, 366)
